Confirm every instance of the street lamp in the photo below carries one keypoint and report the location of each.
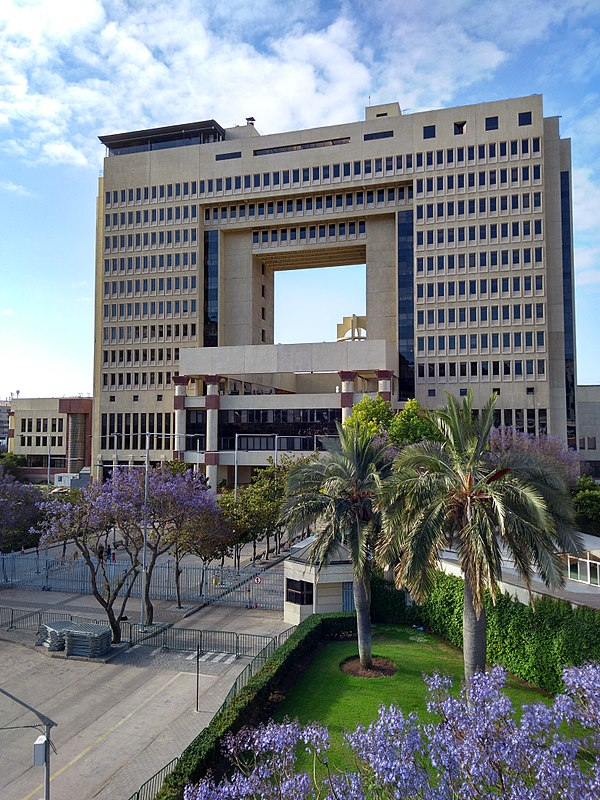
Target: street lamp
(145, 531)
(48, 724)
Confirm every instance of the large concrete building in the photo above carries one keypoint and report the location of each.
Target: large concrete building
(462, 217)
(54, 434)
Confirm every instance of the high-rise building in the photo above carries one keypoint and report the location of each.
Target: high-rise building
(463, 217)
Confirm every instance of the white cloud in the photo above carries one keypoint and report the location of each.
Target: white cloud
(7, 312)
(14, 188)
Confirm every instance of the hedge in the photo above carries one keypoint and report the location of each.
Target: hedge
(249, 704)
(533, 642)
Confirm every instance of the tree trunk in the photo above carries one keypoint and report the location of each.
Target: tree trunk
(362, 603)
(474, 636)
(178, 572)
(115, 625)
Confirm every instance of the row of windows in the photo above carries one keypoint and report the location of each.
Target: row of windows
(529, 368)
(481, 206)
(144, 356)
(483, 287)
(491, 124)
(42, 441)
(309, 205)
(515, 312)
(135, 380)
(483, 259)
(481, 342)
(151, 216)
(310, 232)
(154, 308)
(185, 236)
(151, 333)
(42, 424)
(128, 431)
(516, 419)
(479, 180)
(480, 233)
(150, 285)
(145, 263)
(306, 176)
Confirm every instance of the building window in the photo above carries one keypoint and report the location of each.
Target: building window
(491, 123)
(299, 592)
(429, 131)
(525, 118)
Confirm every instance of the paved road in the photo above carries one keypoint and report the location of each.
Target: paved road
(118, 723)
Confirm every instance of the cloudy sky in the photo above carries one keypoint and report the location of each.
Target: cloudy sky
(73, 69)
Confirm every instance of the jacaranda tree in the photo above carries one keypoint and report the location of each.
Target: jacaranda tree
(339, 489)
(476, 747)
(19, 511)
(174, 500)
(456, 493)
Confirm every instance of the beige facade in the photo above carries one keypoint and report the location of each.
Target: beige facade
(461, 215)
(54, 434)
(588, 428)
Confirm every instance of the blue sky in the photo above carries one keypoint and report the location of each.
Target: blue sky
(73, 69)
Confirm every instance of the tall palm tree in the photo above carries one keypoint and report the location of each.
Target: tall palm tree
(457, 494)
(339, 489)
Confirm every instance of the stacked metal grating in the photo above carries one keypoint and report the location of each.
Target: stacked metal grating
(86, 640)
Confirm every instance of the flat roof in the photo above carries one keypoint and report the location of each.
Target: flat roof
(166, 133)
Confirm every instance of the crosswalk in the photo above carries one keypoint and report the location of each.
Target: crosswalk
(209, 657)
(214, 658)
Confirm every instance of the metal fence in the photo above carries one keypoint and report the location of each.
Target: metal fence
(153, 785)
(189, 639)
(250, 587)
(25, 619)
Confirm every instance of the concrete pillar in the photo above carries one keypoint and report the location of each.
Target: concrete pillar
(211, 455)
(179, 444)
(347, 395)
(384, 385)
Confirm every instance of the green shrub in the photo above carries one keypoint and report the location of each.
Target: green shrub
(533, 642)
(247, 707)
(387, 603)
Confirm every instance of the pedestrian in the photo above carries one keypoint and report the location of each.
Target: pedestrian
(22, 550)
(100, 553)
(114, 556)
(108, 551)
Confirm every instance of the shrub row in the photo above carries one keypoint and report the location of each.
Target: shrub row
(533, 642)
(248, 707)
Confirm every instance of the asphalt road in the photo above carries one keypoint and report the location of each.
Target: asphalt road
(118, 723)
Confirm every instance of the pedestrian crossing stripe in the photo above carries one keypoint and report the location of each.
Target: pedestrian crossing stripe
(215, 658)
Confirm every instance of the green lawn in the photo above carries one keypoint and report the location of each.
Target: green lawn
(325, 694)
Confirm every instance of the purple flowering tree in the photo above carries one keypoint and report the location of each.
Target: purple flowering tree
(18, 512)
(86, 519)
(477, 748)
(175, 501)
(503, 441)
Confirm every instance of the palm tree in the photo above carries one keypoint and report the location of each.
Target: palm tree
(339, 489)
(457, 494)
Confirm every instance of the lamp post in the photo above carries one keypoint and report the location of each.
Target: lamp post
(49, 454)
(48, 724)
(145, 532)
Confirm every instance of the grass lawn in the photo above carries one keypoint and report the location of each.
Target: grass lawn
(325, 694)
